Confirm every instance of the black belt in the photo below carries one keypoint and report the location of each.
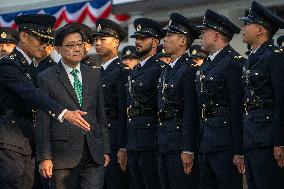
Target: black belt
(135, 112)
(207, 112)
(258, 106)
(168, 114)
(16, 114)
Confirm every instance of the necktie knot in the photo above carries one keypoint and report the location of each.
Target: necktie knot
(74, 72)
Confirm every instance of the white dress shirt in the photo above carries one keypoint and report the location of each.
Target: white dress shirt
(143, 62)
(172, 64)
(29, 60)
(69, 70)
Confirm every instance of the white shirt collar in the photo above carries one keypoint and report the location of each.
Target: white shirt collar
(25, 55)
(68, 69)
(142, 63)
(214, 54)
(254, 51)
(105, 65)
(172, 64)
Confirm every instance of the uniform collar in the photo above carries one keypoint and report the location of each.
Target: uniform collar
(172, 64)
(105, 65)
(212, 56)
(142, 63)
(29, 60)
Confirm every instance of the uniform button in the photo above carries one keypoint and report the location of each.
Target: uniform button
(108, 125)
(161, 123)
(225, 122)
(211, 78)
(129, 120)
(267, 117)
(177, 127)
(49, 112)
(13, 121)
(172, 85)
(148, 125)
(141, 84)
(53, 115)
(133, 81)
(104, 85)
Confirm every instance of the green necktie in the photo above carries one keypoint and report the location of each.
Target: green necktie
(77, 86)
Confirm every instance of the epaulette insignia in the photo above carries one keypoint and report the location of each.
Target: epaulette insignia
(278, 50)
(12, 56)
(237, 57)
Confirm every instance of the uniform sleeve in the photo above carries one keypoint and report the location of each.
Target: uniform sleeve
(235, 94)
(190, 112)
(15, 79)
(101, 115)
(277, 79)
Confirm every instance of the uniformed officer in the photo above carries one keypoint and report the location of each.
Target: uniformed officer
(8, 40)
(142, 105)
(108, 36)
(177, 104)
(264, 102)
(129, 57)
(163, 56)
(19, 98)
(44, 61)
(197, 54)
(280, 41)
(220, 96)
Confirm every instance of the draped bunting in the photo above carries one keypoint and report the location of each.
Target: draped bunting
(76, 12)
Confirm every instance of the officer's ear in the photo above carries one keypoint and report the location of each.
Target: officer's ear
(155, 43)
(116, 43)
(24, 37)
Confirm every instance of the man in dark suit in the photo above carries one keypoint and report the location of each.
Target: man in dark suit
(142, 105)
(177, 103)
(73, 158)
(108, 36)
(264, 102)
(19, 99)
(8, 40)
(220, 94)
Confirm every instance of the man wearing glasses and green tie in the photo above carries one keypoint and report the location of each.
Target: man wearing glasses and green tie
(70, 157)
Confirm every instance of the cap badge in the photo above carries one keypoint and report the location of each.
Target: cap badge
(170, 22)
(99, 28)
(194, 51)
(128, 52)
(3, 35)
(49, 30)
(163, 51)
(139, 28)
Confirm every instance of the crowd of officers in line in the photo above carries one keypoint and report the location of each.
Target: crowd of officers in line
(175, 121)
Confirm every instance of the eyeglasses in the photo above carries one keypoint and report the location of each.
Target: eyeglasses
(74, 45)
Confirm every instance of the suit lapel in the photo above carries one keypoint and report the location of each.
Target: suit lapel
(173, 71)
(63, 78)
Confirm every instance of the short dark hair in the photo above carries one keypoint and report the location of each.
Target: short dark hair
(62, 32)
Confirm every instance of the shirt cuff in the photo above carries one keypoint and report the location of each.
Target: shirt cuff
(187, 152)
(60, 117)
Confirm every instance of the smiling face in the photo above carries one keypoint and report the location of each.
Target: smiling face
(72, 49)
